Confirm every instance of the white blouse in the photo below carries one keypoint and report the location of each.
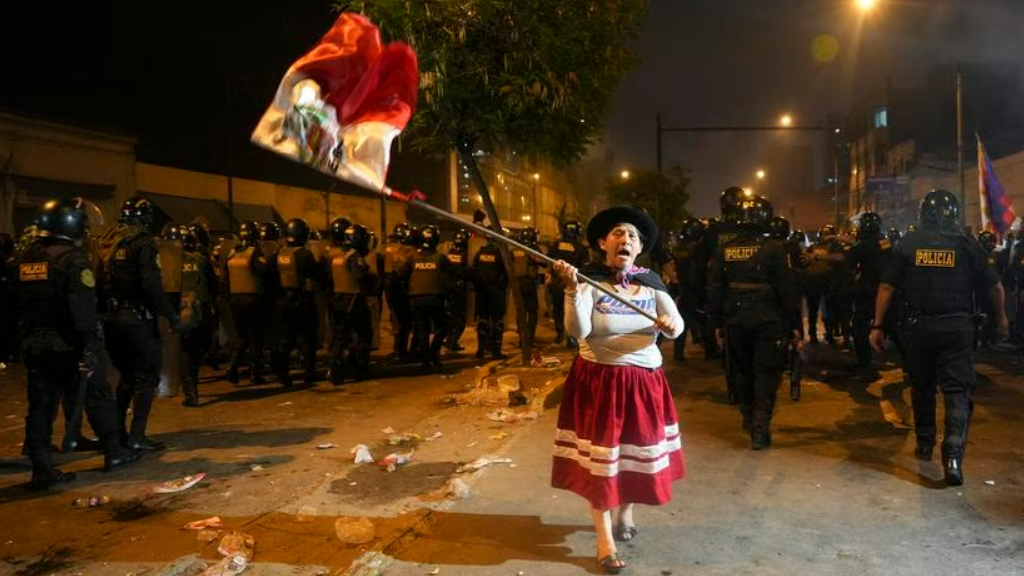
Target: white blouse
(612, 333)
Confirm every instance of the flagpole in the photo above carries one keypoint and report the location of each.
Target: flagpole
(413, 201)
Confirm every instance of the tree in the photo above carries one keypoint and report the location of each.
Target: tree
(532, 76)
(663, 195)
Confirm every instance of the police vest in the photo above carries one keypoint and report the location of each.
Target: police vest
(522, 264)
(565, 250)
(426, 278)
(288, 268)
(42, 299)
(117, 274)
(193, 278)
(939, 280)
(342, 278)
(395, 256)
(170, 264)
(488, 265)
(242, 279)
(457, 259)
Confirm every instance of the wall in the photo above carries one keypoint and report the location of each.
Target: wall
(1009, 170)
(39, 149)
(289, 201)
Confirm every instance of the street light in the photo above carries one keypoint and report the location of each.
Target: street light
(865, 5)
(624, 174)
(785, 121)
(760, 174)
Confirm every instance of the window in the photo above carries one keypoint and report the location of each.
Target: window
(881, 117)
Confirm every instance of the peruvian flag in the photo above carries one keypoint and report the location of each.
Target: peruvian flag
(339, 107)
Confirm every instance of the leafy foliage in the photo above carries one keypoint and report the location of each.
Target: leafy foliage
(535, 76)
(663, 195)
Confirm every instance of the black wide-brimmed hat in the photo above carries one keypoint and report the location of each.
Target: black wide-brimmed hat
(601, 224)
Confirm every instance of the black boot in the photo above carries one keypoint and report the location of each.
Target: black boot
(924, 448)
(954, 472)
(232, 375)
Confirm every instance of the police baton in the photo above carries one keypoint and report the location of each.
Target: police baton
(414, 201)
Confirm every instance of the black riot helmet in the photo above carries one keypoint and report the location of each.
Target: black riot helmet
(460, 243)
(201, 234)
(528, 236)
(412, 237)
(894, 234)
(572, 229)
(172, 232)
(296, 232)
(357, 237)
(987, 240)
(248, 233)
(189, 239)
(429, 237)
(63, 220)
(137, 211)
(338, 227)
(692, 229)
(869, 224)
(730, 202)
(778, 228)
(939, 210)
(799, 237)
(400, 232)
(270, 232)
(755, 212)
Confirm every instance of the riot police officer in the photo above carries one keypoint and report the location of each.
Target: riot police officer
(401, 246)
(868, 257)
(996, 260)
(132, 294)
(940, 270)
(427, 276)
(821, 284)
(61, 349)
(754, 306)
(350, 282)
(894, 235)
(299, 275)
(198, 290)
(570, 248)
(7, 306)
(270, 243)
(247, 272)
(527, 273)
(491, 286)
(458, 260)
(690, 260)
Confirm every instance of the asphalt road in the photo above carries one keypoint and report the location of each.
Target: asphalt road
(839, 492)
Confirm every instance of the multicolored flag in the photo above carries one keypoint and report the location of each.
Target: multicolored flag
(996, 209)
(339, 107)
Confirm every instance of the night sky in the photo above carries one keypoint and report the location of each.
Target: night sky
(744, 62)
(165, 73)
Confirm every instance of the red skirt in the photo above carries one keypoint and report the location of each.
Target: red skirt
(618, 439)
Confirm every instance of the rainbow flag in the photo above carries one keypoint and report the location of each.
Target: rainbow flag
(996, 208)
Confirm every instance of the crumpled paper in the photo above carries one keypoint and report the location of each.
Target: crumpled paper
(361, 454)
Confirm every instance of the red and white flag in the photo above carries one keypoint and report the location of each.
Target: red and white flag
(339, 107)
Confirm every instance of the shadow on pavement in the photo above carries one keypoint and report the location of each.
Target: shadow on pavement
(493, 539)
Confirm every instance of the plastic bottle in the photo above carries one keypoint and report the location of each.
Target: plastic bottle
(91, 501)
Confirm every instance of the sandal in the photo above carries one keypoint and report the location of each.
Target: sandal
(625, 532)
(611, 564)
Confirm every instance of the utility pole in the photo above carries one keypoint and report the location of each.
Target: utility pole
(960, 140)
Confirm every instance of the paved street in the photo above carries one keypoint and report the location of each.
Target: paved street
(839, 493)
